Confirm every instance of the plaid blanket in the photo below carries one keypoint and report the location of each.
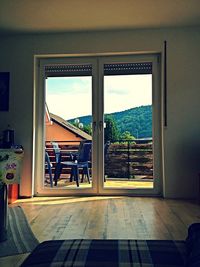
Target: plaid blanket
(104, 253)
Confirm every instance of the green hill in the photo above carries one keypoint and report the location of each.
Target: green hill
(138, 121)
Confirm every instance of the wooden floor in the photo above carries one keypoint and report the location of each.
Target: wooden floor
(107, 217)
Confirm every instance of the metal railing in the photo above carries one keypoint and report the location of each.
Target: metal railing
(130, 159)
(123, 159)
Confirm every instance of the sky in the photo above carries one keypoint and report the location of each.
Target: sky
(71, 97)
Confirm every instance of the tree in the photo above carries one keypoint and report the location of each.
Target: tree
(87, 129)
(127, 136)
(111, 132)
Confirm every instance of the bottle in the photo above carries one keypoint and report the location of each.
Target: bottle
(8, 137)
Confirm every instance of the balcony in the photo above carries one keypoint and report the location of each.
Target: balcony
(128, 164)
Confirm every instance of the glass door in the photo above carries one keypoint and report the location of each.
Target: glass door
(130, 125)
(69, 126)
(99, 126)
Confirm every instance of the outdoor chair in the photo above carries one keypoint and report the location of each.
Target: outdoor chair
(57, 152)
(48, 166)
(58, 157)
(74, 155)
(82, 162)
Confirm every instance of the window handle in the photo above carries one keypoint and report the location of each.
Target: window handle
(101, 126)
(94, 125)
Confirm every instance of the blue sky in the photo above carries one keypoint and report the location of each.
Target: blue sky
(71, 97)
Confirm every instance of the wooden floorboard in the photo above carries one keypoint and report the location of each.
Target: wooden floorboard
(108, 218)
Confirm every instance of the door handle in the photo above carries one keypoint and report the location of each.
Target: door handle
(94, 125)
(101, 126)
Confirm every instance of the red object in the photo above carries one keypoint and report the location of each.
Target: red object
(13, 193)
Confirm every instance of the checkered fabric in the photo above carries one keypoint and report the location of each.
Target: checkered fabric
(108, 253)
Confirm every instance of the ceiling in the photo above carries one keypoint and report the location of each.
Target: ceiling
(50, 16)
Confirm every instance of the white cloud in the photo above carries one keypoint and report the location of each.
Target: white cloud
(68, 85)
(69, 107)
(72, 97)
(124, 92)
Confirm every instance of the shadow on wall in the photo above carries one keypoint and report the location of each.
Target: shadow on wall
(188, 166)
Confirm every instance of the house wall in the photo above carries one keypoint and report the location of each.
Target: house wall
(181, 138)
(56, 132)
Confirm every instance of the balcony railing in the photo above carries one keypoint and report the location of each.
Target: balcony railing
(129, 159)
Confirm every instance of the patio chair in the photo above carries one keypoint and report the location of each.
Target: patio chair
(74, 155)
(82, 162)
(57, 152)
(48, 166)
(58, 157)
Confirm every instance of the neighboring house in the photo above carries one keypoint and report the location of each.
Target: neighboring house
(58, 129)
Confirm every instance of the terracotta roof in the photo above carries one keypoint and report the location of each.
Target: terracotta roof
(70, 127)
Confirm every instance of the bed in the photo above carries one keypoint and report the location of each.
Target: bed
(122, 253)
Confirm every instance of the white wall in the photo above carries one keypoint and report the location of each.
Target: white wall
(181, 137)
